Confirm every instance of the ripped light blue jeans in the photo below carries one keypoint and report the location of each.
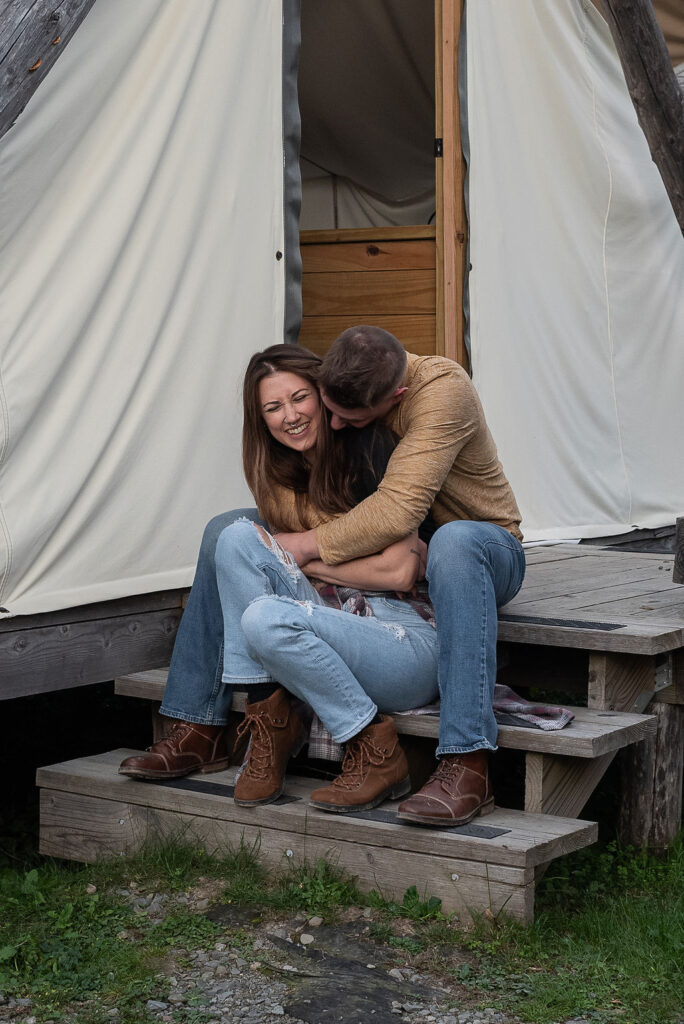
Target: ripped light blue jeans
(346, 667)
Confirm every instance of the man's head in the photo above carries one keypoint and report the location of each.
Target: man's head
(361, 376)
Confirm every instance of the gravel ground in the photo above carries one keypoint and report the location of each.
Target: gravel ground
(294, 970)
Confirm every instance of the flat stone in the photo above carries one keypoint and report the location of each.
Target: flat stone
(306, 939)
(315, 922)
(396, 974)
(156, 1004)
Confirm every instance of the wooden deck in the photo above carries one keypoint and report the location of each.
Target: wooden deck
(89, 811)
(597, 600)
(615, 616)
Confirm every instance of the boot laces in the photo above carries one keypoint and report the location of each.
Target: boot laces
(171, 743)
(448, 769)
(260, 750)
(360, 755)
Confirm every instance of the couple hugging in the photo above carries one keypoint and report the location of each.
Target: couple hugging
(356, 463)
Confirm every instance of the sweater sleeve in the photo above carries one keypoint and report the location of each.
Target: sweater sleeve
(440, 418)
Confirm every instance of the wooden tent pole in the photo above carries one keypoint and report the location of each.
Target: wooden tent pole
(450, 172)
(653, 86)
(33, 34)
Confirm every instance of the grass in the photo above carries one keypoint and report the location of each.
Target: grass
(607, 944)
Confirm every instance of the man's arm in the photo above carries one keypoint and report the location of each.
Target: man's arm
(443, 416)
(396, 568)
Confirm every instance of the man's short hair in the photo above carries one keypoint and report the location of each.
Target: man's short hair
(364, 366)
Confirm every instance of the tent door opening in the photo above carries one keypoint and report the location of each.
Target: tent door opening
(382, 228)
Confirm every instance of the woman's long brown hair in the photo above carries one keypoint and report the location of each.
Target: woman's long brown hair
(337, 476)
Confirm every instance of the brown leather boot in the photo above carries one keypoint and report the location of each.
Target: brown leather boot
(374, 769)
(457, 792)
(276, 731)
(187, 748)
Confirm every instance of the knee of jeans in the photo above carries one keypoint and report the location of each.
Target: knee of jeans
(453, 544)
(216, 526)
(263, 619)
(237, 539)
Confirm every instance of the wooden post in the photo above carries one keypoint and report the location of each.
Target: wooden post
(654, 89)
(449, 177)
(33, 33)
(678, 568)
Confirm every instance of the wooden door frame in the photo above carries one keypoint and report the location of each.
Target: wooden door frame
(451, 223)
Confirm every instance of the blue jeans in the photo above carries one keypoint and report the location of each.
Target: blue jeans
(194, 690)
(472, 569)
(346, 667)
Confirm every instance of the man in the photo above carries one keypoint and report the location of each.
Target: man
(445, 463)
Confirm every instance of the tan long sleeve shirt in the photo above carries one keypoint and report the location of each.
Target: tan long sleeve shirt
(446, 462)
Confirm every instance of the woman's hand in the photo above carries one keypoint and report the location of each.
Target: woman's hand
(396, 568)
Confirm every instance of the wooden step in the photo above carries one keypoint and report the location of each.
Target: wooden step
(89, 811)
(591, 734)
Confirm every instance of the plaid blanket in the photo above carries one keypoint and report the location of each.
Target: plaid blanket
(509, 709)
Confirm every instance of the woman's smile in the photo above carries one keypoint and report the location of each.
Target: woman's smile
(291, 409)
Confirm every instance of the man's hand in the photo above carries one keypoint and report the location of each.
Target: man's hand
(420, 550)
(302, 546)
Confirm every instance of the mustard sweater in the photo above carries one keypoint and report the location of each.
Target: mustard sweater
(446, 462)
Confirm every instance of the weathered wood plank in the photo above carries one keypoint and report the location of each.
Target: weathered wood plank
(590, 734)
(374, 234)
(33, 34)
(369, 256)
(368, 294)
(133, 605)
(416, 333)
(617, 681)
(63, 656)
(654, 89)
(637, 638)
(528, 841)
(561, 785)
(85, 828)
(651, 805)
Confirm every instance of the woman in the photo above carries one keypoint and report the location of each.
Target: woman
(285, 636)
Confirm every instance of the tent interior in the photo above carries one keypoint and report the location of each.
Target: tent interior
(366, 89)
(367, 103)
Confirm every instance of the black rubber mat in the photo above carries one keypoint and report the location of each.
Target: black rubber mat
(200, 786)
(570, 623)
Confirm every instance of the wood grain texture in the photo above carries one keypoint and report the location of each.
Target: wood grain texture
(374, 234)
(651, 805)
(653, 86)
(33, 34)
(561, 785)
(591, 734)
(528, 841)
(451, 218)
(85, 828)
(368, 294)
(416, 333)
(63, 656)
(416, 254)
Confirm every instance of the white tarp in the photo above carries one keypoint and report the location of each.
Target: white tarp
(577, 286)
(141, 210)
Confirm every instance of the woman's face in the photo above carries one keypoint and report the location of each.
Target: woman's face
(291, 409)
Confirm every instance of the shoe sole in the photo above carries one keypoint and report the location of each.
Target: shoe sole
(393, 793)
(262, 800)
(426, 819)
(151, 775)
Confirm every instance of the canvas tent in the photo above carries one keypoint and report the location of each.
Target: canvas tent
(148, 231)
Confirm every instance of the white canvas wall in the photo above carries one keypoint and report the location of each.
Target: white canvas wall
(577, 282)
(140, 214)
